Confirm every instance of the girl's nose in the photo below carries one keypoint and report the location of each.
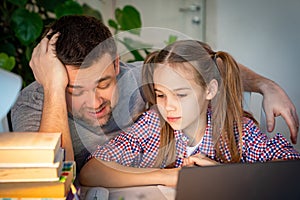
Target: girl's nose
(171, 104)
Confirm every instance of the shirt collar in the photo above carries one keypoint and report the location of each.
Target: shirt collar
(179, 135)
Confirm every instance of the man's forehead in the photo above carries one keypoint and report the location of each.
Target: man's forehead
(100, 68)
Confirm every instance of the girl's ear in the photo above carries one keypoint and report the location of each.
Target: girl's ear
(212, 89)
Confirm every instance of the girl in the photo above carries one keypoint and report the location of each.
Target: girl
(195, 116)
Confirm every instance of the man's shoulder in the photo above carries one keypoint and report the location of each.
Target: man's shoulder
(26, 112)
(132, 65)
(129, 71)
(33, 87)
(32, 95)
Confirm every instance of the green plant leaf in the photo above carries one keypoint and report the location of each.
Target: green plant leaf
(112, 23)
(129, 19)
(28, 52)
(133, 50)
(27, 26)
(171, 39)
(118, 15)
(20, 3)
(6, 62)
(70, 7)
(8, 48)
(87, 10)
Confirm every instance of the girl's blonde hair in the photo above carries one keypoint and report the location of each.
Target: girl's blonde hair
(226, 106)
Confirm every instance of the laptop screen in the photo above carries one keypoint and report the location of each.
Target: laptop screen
(270, 180)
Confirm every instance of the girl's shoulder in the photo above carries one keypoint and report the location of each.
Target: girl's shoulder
(250, 126)
(150, 116)
(147, 124)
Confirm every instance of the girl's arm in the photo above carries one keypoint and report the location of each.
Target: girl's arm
(124, 151)
(110, 174)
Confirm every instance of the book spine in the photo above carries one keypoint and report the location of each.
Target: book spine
(36, 172)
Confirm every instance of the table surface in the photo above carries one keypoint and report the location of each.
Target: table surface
(157, 192)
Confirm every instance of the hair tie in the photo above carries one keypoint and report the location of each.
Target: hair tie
(214, 58)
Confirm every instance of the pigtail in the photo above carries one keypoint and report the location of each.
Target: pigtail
(228, 111)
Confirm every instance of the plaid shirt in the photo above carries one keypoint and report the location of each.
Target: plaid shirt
(138, 146)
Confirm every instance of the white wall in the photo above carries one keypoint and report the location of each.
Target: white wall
(176, 15)
(263, 35)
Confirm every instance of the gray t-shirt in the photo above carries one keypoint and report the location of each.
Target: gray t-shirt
(27, 111)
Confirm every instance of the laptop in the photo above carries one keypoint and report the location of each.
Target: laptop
(270, 180)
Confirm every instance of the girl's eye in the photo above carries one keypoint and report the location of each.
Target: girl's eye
(181, 95)
(160, 95)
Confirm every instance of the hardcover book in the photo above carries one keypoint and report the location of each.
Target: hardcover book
(44, 189)
(26, 172)
(29, 147)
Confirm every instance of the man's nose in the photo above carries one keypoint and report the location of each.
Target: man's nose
(94, 99)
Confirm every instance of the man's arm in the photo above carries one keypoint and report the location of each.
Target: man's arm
(275, 101)
(53, 77)
(110, 174)
(54, 118)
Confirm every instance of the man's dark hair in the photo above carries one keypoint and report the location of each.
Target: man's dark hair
(82, 36)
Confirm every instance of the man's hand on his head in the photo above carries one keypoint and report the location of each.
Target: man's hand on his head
(47, 68)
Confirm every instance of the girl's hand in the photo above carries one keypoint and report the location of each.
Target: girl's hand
(198, 159)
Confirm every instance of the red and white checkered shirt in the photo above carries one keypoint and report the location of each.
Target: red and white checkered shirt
(138, 145)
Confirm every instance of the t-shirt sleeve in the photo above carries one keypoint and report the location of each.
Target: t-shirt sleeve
(27, 111)
(258, 147)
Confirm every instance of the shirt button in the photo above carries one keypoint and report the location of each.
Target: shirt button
(184, 138)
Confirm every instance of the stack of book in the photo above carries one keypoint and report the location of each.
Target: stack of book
(32, 166)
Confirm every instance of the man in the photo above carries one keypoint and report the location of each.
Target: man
(85, 92)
